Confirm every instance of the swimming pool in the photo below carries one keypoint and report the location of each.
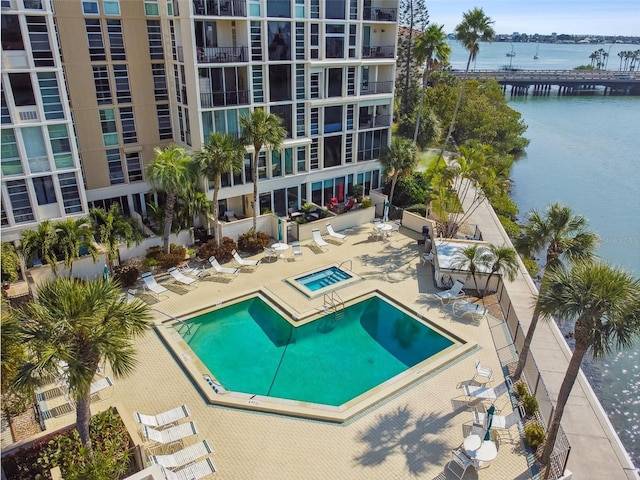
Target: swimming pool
(326, 279)
(252, 349)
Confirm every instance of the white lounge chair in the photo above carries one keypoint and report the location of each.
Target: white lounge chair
(454, 292)
(153, 286)
(169, 435)
(500, 423)
(297, 250)
(426, 257)
(243, 262)
(270, 253)
(482, 371)
(317, 239)
(335, 234)
(485, 393)
(96, 387)
(195, 471)
(476, 311)
(460, 459)
(185, 456)
(178, 276)
(163, 419)
(220, 269)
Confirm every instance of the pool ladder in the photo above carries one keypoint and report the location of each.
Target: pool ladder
(332, 301)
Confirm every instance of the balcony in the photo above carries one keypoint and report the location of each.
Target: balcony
(372, 88)
(220, 8)
(379, 14)
(224, 99)
(378, 52)
(222, 54)
(367, 121)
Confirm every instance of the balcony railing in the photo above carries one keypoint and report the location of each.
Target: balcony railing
(220, 8)
(371, 88)
(222, 54)
(367, 121)
(387, 51)
(380, 14)
(223, 99)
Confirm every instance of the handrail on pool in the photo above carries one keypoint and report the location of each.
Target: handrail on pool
(181, 322)
(350, 263)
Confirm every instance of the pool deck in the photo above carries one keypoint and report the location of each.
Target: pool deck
(408, 435)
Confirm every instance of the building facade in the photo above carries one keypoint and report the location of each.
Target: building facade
(144, 73)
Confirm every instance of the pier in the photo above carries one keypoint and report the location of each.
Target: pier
(568, 82)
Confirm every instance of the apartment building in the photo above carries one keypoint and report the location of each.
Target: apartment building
(144, 73)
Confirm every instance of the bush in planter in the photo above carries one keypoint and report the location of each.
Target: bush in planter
(166, 260)
(534, 434)
(247, 243)
(366, 203)
(150, 263)
(127, 275)
(10, 263)
(521, 389)
(222, 253)
(530, 404)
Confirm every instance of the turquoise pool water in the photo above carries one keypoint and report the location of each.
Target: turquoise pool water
(250, 348)
(324, 278)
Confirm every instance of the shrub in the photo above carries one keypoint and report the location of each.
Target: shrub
(153, 252)
(222, 253)
(511, 227)
(530, 404)
(532, 266)
(534, 434)
(150, 262)
(167, 260)
(126, 275)
(521, 389)
(10, 263)
(418, 209)
(366, 203)
(247, 243)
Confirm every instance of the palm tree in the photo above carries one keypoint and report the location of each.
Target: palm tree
(172, 172)
(431, 46)
(604, 303)
(80, 325)
(564, 236)
(191, 203)
(474, 28)
(74, 234)
(398, 160)
(472, 258)
(42, 243)
(114, 228)
(221, 154)
(261, 129)
(502, 260)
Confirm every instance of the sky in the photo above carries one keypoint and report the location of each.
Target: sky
(590, 17)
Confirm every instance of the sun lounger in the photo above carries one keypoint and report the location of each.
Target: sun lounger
(185, 456)
(317, 238)
(334, 234)
(163, 419)
(178, 276)
(169, 435)
(297, 250)
(476, 311)
(243, 262)
(454, 292)
(220, 269)
(270, 253)
(195, 471)
(153, 286)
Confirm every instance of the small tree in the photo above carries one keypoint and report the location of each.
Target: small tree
(398, 160)
(472, 258)
(501, 261)
(113, 228)
(41, 243)
(74, 234)
(10, 263)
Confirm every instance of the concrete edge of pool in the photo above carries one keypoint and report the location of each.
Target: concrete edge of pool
(198, 372)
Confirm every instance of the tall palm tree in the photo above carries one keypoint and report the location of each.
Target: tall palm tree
(604, 303)
(502, 260)
(74, 234)
(221, 154)
(433, 48)
(398, 160)
(261, 129)
(472, 258)
(114, 228)
(475, 27)
(564, 236)
(172, 172)
(41, 242)
(80, 325)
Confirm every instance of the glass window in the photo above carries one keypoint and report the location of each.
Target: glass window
(332, 151)
(279, 82)
(276, 164)
(22, 89)
(301, 154)
(288, 161)
(332, 119)
(45, 193)
(70, 193)
(101, 81)
(109, 129)
(279, 8)
(159, 81)
(334, 82)
(51, 101)
(128, 125)
(336, 8)
(39, 39)
(121, 77)
(151, 8)
(96, 42)
(114, 163)
(279, 38)
(60, 145)
(90, 7)
(134, 167)
(10, 158)
(20, 203)
(11, 33)
(262, 165)
(154, 34)
(116, 40)
(285, 113)
(164, 122)
(6, 116)
(35, 149)
(111, 7)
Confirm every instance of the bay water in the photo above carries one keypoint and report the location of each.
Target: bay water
(584, 153)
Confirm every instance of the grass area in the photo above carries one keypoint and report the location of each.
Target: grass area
(427, 157)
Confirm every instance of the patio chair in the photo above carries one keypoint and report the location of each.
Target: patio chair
(270, 253)
(482, 371)
(297, 250)
(318, 240)
(459, 459)
(349, 205)
(163, 419)
(230, 216)
(185, 456)
(96, 387)
(454, 292)
(220, 269)
(195, 471)
(169, 435)
(153, 286)
(335, 234)
(476, 311)
(484, 393)
(395, 228)
(178, 276)
(426, 257)
(501, 424)
(243, 262)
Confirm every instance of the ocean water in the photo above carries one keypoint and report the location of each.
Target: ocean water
(583, 152)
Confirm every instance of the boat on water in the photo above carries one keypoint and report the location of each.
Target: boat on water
(512, 53)
(536, 57)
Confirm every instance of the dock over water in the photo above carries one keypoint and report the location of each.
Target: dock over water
(568, 82)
